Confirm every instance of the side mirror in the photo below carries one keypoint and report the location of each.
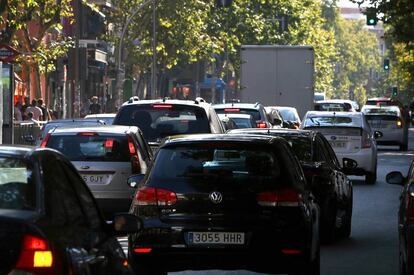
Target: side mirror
(395, 178)
(378, 134)
(134, 180)
(125, 223)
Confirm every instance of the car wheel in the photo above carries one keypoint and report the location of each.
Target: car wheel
(347, 226)
(371, 178)
(328, 222)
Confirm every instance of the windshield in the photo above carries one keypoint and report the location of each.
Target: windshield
(253, 112)
(160, 120)
(17, 186)
(301, 146)
(333, 121)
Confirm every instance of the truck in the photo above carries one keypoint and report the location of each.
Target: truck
(277, 75)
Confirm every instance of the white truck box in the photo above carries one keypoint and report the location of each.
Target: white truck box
(278, 75)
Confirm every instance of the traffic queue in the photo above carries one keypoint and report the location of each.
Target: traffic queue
(193, 186)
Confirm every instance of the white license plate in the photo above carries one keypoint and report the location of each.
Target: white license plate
(338, 144)
(97, 178)
(216, 237)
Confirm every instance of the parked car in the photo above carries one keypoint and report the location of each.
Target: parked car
(289, 115)
(225, 201)
(405, 219)
(107, 118)
(240, 120)
(51, 124)
(50, 222)
(256, 110)
(105, 157)
(351, 136)
(390, 122)
(160, 118)
(323, 172)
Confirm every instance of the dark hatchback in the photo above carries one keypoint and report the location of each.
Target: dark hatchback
(225, 202)
(330, 185)
(405, 219)
(49, 221)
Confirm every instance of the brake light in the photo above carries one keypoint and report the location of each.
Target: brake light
(34, 254)
(136, 166)
(87, 134)
(109, 143)
(291, 251)
(283, 197)
(166, 106)
(155, 196)
(232, 110)
(45, 141)
(142, 250)
(261, 124)
(399, 123)
(365, 140)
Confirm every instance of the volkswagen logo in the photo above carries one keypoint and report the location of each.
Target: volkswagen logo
(216, 197)
(333, 137)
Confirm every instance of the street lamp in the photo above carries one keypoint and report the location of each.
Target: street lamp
(120, 71)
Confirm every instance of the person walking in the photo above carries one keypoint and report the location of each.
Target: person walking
(45, 111)
(95, 107)
(25, 106)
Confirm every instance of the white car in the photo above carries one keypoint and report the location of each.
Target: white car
(390, 122)
(343, 105)
(108, 118)
(350, 136)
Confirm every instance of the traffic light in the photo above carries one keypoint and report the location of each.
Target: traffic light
(371, 14)
(386, 64)
(223, 3)
(394, 91)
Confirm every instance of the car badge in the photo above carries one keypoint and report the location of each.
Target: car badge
(333, 137)
(216, 197)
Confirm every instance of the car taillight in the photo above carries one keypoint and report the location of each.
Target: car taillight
(87, 134)
(283, 197)
(261, 124)
(232, 110)
(165, 106)
(35, 254)
(365, 140)
(155, 196)
(135, 164)
(399, 123)
(45, 141)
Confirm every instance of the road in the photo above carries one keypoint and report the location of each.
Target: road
(373, 246)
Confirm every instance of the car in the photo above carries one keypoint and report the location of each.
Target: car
(50, 222)
(160, 118)
(337, 105)
(240, 120)
(390, 122)
(388, 101)
(276, 118)
(51, 124)
(405, 219)
(289, 115)
(329, 183)
(256, 110)
(105, 156)
(225, 202)
(319, 96)
(351, 136)
(107, 118)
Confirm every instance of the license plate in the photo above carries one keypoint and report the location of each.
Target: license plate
(97, 178)
(216, 238)
(337, 144)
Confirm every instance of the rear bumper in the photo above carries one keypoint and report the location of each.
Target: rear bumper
(391, 137)
(109, 207)
(366, 159)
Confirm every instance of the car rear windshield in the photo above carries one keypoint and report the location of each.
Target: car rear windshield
(380, 103)
(17, 186)
(333, 107)
(253, 112)
(288, 115)
(243, 122)
(333, 121)
(92, 147)
(157, 121)
(221, 164)
(382, 117)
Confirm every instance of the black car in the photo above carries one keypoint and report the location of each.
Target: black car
(405, 219)
(226, 202)
(329, 184)
(49, 220)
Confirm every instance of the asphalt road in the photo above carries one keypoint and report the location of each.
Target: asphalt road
(373, 246)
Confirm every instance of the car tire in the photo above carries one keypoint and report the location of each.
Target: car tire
(328, 221)
(371, 178)
(347, 226)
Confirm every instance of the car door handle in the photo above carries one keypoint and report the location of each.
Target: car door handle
(92, 259)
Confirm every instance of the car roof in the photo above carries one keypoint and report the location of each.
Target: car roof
(379, 99)
(15, 150)
(69, 120)
(195, 103)
(281, 131)
(203, 138)
(104, 129)
(282, 108)
(331, 114)
(385, 109)
(238, 105)
(100, 115)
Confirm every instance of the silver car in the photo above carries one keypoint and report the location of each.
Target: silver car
(350, 136)
(390, 122)
(105, 157)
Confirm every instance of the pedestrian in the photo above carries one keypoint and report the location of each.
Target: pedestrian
(17, 111)
(25, 106)
(95, 107)
(45, 111)
(30, 115)
(37, 112)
